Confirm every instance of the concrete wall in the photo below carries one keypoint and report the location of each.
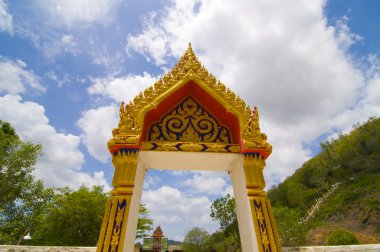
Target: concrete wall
(350, 248)
(14, 248)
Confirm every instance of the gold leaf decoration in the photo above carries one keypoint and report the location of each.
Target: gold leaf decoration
(189, 122)
(188, 68)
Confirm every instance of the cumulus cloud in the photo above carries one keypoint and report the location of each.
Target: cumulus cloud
(16, 79)
(97, 125)
(211, 183)
(150, 181)
(178, 212)
(6, 19)
(121, 88)
(61, 162)
(344, 35)
(74, 14)
(282, 57)
(116, 89)
(63, 27)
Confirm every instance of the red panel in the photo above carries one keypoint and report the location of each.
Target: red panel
(205, 100)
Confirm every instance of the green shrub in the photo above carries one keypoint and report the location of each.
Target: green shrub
(342, 237)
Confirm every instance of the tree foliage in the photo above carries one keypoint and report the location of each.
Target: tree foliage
(22, 197)
(73, 218)
(144, 224)
(223, 210)
(292, 232)
(196, 240)
(17, 160)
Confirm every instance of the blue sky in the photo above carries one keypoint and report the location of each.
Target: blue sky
(312, 68)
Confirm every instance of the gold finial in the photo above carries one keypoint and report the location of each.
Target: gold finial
(252, 135)
(255, 118)
(127, 122)
(253, 124)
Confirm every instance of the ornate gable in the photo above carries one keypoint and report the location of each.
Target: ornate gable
(187, 69)
(189, 122)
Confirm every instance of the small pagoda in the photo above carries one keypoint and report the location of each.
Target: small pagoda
(157, 239)
(157, 242)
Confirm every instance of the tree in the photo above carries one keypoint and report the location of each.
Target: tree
(144, 224)
(17, 160)
(73, 218)
(223, 210)
(22, 197)
(196, 240)
(292, 233)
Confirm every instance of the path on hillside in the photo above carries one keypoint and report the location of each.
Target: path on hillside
(318, 203)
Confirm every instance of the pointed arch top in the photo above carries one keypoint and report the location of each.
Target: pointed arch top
(188, 69)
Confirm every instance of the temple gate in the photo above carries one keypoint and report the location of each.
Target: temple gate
(189, 121)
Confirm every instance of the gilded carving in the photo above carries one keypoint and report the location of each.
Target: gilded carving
(253, 169)
(125, 164)
(186, 146)
(188, 68)
(191, 147)
(252, 136)
(117, 228)
(189, 122)
(264, 225)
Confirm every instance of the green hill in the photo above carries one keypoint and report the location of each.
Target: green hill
(351, 163)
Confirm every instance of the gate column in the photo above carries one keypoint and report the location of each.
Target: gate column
(113, 230)
(125, 148)
(255, 150)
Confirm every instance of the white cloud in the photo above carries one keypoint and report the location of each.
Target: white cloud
(65, 27)
(113, 62)
(177, 212)
(344, 35)
(282, 57)
(6, 20)
(15, 78)
(97, 125)
(61, 162)
(212, 183)
(122, 88)
(61, 80)
(150, 181)
(118, 89)
(75, 14)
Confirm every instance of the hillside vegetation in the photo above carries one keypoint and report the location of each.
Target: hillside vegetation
(353, 161)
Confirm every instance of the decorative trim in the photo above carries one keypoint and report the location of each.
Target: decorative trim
(126, 151)
(188, 68)
(117, 226)
(253, 170)
(252, 136)
(102, 236)
(189, 122)
(264, 226)
(191, 147)
(125, 164)
(114, 232)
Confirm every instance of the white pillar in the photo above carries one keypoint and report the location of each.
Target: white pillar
(130, 235)
(243, 208)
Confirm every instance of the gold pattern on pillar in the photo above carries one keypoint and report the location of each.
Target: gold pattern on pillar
(264, 223)
(115, 219)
